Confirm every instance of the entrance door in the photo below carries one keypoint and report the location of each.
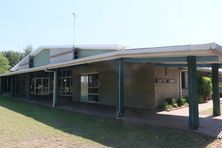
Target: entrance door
(90, 87)
(84, 88)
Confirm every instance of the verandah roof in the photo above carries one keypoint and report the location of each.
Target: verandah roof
(206, 54)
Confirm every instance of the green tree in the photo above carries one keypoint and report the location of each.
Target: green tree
(4, 64)
(13, 57)
(204, 88)
(27, 51)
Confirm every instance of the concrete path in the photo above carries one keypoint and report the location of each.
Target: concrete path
(211, 126)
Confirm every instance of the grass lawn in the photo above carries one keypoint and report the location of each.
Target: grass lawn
(29, 125)
(210, 111)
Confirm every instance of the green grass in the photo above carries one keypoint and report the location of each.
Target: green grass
(29, 125)
(210, 111)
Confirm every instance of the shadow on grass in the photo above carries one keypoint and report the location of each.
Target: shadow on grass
(106, 131)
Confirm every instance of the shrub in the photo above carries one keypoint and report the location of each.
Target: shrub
(170, 101)
(200, 99)
(186, 99)
(204, 88)
(181, 101)
(167, 106)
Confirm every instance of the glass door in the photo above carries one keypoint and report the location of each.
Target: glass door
(84, 88)
(93, 87)
(90, 87)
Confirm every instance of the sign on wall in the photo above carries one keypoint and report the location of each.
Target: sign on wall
(165, 80)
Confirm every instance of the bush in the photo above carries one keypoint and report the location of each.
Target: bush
(186, 98)
(204, 88)
(170, 101)
(167, 106)
(181, 102)
(200, 99)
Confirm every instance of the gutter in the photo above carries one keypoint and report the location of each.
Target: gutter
(54, 86)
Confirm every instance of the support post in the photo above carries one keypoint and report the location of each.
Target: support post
(192, 86)
(12, 86)
(120, 89)
(1, 92)
(28, 93)
(55, 88)
(180, 84)
(215, 90)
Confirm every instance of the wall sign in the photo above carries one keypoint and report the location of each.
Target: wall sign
(171, 81)
(165, 80)
(161, 80)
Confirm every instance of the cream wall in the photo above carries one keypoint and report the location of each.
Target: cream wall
(140, 87)
(107, 81)
(164, 90)
(139, 82)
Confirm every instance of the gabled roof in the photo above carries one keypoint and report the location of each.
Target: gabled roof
(210, 49)
(82, 47)
(105, 47)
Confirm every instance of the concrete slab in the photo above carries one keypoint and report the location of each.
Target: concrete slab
(210, 126)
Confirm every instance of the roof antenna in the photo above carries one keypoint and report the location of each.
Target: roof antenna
(74, 17)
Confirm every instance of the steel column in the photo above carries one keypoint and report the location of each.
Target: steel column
(12, 86)
(120, 89)
(192, 86)
(55, 89)
(28, 93)
(1, 82)
(215, 90)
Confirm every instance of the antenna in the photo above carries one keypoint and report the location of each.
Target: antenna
(74, 17)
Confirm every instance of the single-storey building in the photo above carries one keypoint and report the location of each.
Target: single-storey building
(112, 75)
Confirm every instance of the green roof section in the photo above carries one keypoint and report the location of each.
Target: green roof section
(42, 58)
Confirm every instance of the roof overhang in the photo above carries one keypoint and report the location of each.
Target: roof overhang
(205, 53)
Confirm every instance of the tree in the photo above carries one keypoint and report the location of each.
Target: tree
(204, 88)
(27, 51)
(13, 57)
(4, 64)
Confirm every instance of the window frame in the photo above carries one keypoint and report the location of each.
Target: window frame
(69, 86)
(42, 92)
(184, 80)
(91, 87)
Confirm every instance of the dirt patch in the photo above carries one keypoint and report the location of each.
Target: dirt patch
(46, 142)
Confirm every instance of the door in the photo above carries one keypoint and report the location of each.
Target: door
(90, 87)
(84, 88)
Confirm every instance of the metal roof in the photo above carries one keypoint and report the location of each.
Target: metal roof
(82, 47)
(211, 49)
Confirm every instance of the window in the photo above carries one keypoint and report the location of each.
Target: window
(40, 86)
(20, 83)
(184, 79)
(90, 87)
(65, 83)
(76, 54)
(7, 84)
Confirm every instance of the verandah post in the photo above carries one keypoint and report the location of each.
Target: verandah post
(12, 86)
(192, 86)
(215, 90)
(28, 93)
(55, 88)
(120, 89)
(1, 82)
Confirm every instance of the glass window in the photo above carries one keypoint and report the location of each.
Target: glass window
(65, 83)
(40, 86)
(90, 87)
(184, 79)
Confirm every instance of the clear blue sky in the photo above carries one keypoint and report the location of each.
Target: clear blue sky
(133, 23)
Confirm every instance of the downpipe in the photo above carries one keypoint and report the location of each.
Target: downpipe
(54, 87)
